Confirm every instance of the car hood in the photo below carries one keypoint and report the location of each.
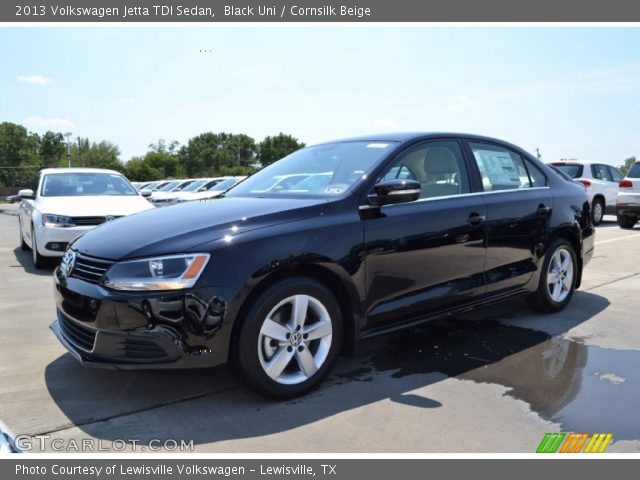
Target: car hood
(182, 227)
(93, 206)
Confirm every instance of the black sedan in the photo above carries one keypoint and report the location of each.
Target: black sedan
(332, 244)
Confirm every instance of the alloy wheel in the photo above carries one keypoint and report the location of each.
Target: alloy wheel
(295, 339)
(560, 275)
(598, 213)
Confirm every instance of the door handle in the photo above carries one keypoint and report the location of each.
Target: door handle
(543, 209)
(475, 219)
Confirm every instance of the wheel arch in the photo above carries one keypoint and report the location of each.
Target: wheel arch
(574, 239)
(341, 288)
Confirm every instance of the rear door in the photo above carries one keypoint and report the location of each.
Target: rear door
(519, 204)
(602, 173)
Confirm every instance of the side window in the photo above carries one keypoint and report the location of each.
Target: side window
(615, 173)
(601, 172)
(438, 166)
(501, 169)
(538, 179)
(399, 171)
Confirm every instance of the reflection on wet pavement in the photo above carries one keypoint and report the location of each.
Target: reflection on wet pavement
(583, 388)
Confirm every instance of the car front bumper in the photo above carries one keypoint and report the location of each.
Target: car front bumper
(141, 330)
(48, 237)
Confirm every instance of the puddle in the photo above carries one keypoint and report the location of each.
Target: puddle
(583, 388)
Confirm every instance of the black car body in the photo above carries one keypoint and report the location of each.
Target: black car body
(480, 228)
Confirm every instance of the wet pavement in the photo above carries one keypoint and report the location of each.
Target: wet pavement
(494, 380)
(581, 388)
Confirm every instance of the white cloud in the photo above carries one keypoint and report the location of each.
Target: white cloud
(34, 79)
(38, 122)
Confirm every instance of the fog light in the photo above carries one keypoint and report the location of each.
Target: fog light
(56, 246)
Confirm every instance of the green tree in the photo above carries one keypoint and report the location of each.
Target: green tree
(277, 147)
(18, 154)
(52, 148)
(207, 153)
(137, 169)
(627, 164)
(161, 161)
(103, 154)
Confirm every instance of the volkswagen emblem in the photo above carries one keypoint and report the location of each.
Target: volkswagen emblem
(68, 262)
(110, 218)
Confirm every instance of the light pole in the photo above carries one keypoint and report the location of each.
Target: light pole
(68, 134)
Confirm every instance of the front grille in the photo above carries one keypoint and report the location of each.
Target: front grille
(88, 221)
(90, 269)
(78, 335)
(143, 349)
(92, 221)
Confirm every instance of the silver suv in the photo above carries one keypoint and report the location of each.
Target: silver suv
(629, 198)
(600, 181)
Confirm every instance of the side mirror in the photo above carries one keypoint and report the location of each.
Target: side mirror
(26, 193)
(394, 191)
(146, 193)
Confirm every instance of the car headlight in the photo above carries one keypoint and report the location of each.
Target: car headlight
(173, 272)
(49, 220)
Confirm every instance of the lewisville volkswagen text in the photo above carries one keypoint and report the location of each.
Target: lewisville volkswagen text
(377, 233)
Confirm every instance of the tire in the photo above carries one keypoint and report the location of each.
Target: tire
(627, 221)
(597, 211)
(297, 363)
(39, 261)
(552, 296)
(23, 244)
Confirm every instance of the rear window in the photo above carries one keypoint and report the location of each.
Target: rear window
(571, 169)
(634, 171)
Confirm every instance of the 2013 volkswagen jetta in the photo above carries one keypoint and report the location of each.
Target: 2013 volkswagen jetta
(398, 230)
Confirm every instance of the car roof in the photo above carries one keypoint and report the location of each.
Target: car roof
(569, 162)
(403, 137)
(79, 170)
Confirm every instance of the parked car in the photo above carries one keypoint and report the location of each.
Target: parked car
(66, 202)
(601, 183)
(212, 189)
(628, 207)
(410, 227)
(195, 186)
(165, 195)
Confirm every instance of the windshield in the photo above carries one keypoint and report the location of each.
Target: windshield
(634, 171)
(223, 185)
(572, 169)
(169, 186)
(193, 186)
(327, 170)
(75, 184)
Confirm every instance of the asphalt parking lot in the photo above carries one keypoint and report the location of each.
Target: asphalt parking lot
(496, 380)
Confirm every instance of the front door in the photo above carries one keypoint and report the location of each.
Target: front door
(424, 255)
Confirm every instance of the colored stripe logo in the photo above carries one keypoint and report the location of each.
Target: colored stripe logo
(563, 442)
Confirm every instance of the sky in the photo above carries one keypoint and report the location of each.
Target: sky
(569, 92)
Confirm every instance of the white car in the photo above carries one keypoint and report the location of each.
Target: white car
(600, 181)
(66, 202)
(195, 186)
(212, 189)
(166, 195)
(628, 208)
